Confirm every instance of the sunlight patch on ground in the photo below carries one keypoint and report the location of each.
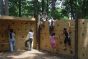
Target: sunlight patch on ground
(26, 54)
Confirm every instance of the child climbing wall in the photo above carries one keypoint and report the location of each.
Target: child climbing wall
(67, 40)
(12, 42)
(59, 37)
(65, 28)
(52, 40)
(51, 24)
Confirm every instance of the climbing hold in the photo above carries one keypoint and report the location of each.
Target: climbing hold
(71, 52)
(83, 23)
(83, 54)
(60, 42)
(82, 34)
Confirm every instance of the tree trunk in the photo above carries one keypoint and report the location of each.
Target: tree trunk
(43, 6)
(6, 8)
(1, 7)
(20, 8)
(47, 9)
(53, 7)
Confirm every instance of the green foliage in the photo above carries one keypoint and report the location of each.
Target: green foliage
(79, 7)
(13, 8)
(60, 14)
(28, 8)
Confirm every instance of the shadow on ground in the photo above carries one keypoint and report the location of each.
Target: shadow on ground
(34, 54)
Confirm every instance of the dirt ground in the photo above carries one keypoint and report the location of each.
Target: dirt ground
(34, 54)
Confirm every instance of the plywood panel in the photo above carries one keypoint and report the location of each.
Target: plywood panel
(83, 39)
(59, 26)
(21, 29)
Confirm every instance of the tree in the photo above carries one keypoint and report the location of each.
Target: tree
(22, 7)
(77, 8)
(53, 7)
(14, 7)
(1, 6)
(4, 7)
(29, 8)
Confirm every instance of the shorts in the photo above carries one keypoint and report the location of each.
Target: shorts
(67, 41)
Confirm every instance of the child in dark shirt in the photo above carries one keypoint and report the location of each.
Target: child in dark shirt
(67, 40)
(67, 37)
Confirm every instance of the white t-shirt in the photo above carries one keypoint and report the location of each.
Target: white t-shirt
(50, 21)
(31, 35)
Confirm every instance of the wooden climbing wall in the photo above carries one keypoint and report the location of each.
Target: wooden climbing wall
(83, 39)
(44, 38)
(59, 26)
(21, 29)
(3, 37)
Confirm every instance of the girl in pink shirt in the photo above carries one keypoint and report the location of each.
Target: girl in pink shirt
(52, 40)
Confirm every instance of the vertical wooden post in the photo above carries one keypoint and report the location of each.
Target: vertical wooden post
(76, 38)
